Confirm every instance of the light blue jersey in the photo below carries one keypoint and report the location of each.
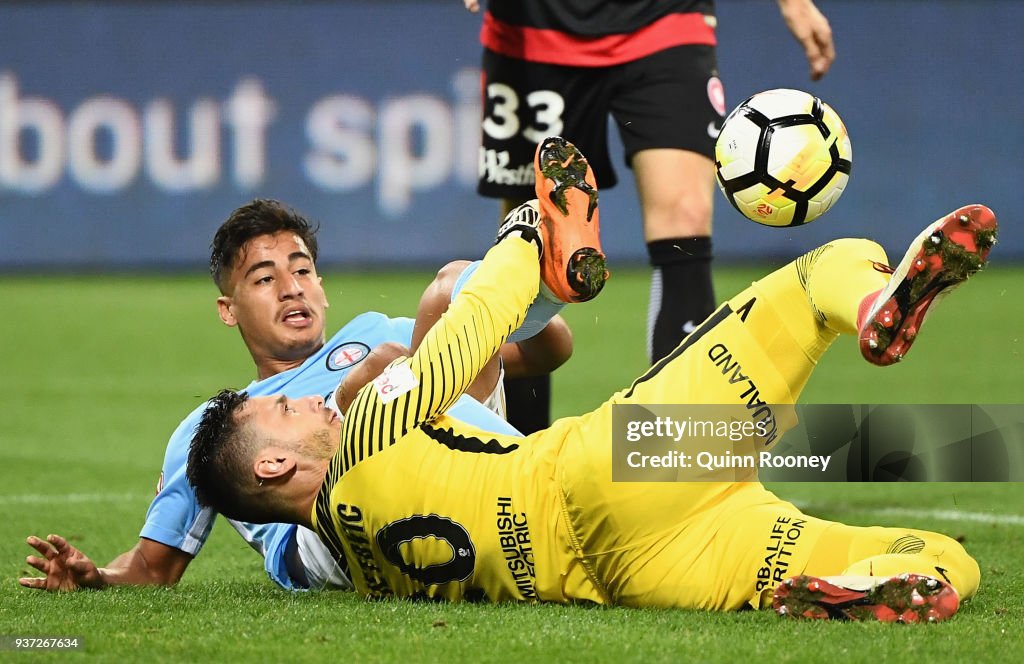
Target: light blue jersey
(176, 519)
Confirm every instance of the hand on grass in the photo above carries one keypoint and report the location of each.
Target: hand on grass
(65, 567)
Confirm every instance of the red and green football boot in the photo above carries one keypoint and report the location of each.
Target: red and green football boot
(907, 598)
(941, 258)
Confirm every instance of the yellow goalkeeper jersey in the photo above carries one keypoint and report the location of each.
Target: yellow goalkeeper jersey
(419, 504)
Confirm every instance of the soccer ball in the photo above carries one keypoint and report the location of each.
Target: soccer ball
(783, 158)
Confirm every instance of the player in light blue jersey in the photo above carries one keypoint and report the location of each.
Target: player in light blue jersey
(263, 261)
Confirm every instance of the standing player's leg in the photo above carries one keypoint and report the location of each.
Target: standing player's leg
(669, 107)
(675, 188)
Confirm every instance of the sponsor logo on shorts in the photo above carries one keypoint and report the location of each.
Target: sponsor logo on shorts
(495, 168)
(347, 355)
(786, 531)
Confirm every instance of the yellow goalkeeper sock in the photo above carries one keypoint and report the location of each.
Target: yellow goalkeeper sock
(838, 277)
(955, 567)
(886, 552)
(802, 307)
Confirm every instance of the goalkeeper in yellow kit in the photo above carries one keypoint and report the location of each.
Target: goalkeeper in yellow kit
(416, 504)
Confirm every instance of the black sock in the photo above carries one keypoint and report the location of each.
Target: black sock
(528, 402)
(681, 291)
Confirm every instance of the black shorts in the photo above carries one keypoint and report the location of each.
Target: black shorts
(670, 99)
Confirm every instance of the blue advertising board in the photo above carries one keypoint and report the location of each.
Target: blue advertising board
(128, 131)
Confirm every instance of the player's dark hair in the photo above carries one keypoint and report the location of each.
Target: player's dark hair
(259, 217)
(220, 458)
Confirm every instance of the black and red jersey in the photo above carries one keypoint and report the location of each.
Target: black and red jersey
(594, 33)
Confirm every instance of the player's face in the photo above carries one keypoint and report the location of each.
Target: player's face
(306, 421)
(276, 299)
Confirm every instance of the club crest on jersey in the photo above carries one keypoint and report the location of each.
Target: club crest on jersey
(716, 95)
(346, 355)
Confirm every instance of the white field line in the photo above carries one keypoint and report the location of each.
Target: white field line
(941, 515)
(68, 498)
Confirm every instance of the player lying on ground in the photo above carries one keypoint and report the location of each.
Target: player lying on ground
(263, 261)
(415, 504)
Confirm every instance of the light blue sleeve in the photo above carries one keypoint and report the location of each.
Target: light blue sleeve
(469, 410)
(274, 560)
(174, 517)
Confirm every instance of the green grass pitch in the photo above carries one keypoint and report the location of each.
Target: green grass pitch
(97, 371)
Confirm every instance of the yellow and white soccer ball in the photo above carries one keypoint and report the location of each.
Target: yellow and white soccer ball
(783, 158)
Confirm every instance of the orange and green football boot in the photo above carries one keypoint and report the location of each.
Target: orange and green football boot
(573, 265)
